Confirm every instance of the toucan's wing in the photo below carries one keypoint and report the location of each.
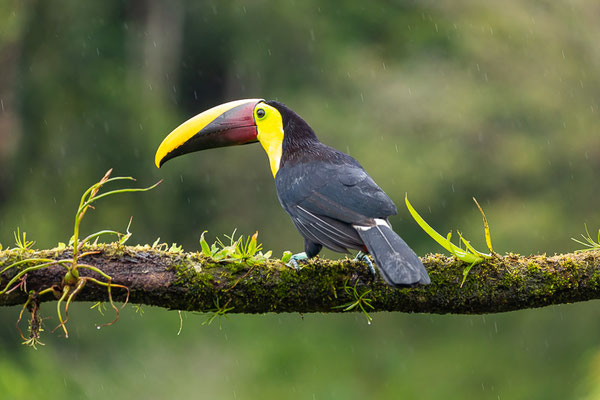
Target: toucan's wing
(333, 234)
(342, 191)
(326, 198)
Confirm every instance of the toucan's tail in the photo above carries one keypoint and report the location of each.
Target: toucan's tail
(399, 265)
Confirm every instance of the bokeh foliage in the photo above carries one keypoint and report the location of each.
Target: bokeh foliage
(497, 100)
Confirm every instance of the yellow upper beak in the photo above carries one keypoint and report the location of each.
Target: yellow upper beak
(224, 125)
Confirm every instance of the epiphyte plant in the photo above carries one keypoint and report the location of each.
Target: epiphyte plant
(73, 282)
(469, 254)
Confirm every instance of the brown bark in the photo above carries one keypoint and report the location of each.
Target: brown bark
(188, 281)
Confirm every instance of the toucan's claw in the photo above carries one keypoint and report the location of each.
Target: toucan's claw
(293, 263)
(364, 257)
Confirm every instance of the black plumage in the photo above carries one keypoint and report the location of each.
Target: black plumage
(334, 203)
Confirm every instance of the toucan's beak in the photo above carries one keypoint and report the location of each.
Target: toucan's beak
(225, 125)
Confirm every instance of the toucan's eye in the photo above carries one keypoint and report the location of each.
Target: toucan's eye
(260, 113)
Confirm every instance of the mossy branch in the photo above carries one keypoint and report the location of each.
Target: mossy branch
(193, 282)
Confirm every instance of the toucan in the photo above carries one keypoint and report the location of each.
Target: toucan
(331, 199)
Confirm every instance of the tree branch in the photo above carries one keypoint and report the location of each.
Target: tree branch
(188, 281)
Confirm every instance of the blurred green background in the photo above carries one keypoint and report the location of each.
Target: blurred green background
(445, 101)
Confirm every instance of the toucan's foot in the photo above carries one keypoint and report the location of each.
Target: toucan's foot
(363, 257)
(294, 260)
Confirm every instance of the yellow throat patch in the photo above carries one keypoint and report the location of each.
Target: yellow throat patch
(269, 126)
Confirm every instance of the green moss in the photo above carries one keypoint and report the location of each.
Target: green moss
(513, 278)
(111, 250)
(497, 285)
(533, 267)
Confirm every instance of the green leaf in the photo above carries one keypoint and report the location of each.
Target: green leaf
(444, 242)
(486, 228)
(589, 242)
(465, 273)
(175, 248)
(224, 253)
(467, 243)
(205, 249)
(252, 247)
(124, 238)
(21, 240)
(286, 257)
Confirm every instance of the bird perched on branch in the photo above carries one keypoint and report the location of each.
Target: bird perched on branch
(331, 199)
